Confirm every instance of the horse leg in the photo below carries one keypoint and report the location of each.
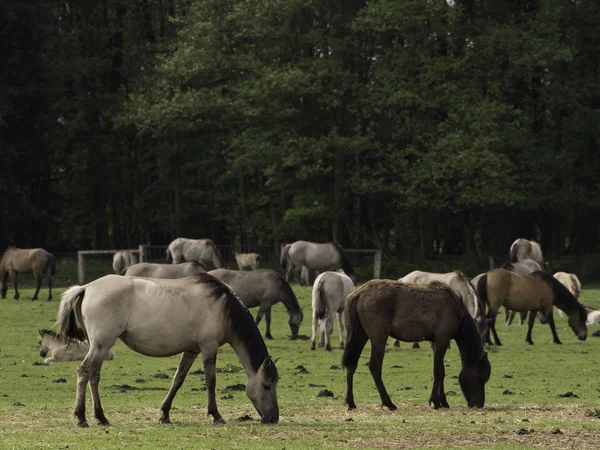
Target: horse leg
(49, 286)
(491, 317)
(508, 316)
(268, 334)
(553, 328)
(261, 312)
(15, 280)
(328, 331)
(186, 361)
(94, 383)
(83, 376)
(38, 282)
(375, 366)
(438, 396)
(289, 272)
(210, 359)
(315, 327)
(361, 340)
(532, 316)
(340, 321)
(396, 343)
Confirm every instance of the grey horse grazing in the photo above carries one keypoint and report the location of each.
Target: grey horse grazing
(308, 276)
(154, 270)
(203, 251)
(317, 256)
(158, 317)
(62, 348)
(263, 288)
(329, 292)
(247, 260)
(523, 267)
(16, 260)
(122, 260)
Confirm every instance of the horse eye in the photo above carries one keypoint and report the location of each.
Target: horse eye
(267, 387)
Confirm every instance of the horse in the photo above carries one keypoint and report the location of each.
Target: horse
(62, 347)
(571, 282)
(247, 260)
(308, 276)
(160, 317)
(329, 292)
(122, 260)
(593, 315)
(522, 249)
(203, 251)
(154, 270)
(17, 260)
(411, 313)
(263, 288)
(523, 267)
(317, 256)
(538, 291)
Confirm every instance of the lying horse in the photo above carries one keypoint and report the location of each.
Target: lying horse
(327, 256)
(247, 260)
(523, 267)
(329, 292)
(203, 251)
(522, 249)
(158, 317)
(153, 270)
(122, 260)
(411, 313)
(263, 288)
(538, 291)
(17, 260)
(593, 315)
(62, 347)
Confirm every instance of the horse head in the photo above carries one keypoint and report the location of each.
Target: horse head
(42, 343)
(472, 379)
(294, 321)
(577, 322)
(261, 389)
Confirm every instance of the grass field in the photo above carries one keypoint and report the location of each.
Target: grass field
(522, 407)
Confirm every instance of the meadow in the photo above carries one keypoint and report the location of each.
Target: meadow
(527, 398)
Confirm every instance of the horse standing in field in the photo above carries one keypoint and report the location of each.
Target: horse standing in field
(523, 267)
(317, 256)
(203, 251)
(329, 292)
(17, 260)
(62, 347)
(247, 260)
(263, 288)
(308, 276)
(538, 291)
(159, 317)
(411, 313)
(522, 249)
(153, 270)
(122, 260)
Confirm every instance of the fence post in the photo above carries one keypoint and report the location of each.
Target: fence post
(491, 262)
(142, 253)
(377, 265)
(80, 268)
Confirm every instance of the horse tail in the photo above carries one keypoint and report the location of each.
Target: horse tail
(217, 253)
(169, 255)
(52, 262)
(319, 303)
(354, 331)
(514, 248)
(69, 312)
(482, 290)
(284, 256)
(344, 260)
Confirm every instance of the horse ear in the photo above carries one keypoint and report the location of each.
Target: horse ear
(483, 356)
(266, 363)
(275, 360)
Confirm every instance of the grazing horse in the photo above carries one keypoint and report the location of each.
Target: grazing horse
(247, 260)
(122, 260)
(411, 313)
(523, 267)
(263, 288)
(329, 292)
(62, 347)
(17, 260)
(203, 251)
(159, 317)
(153, 270)
(308, 276)
(317, 256)
(535, 292)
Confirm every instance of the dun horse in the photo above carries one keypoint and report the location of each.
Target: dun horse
(158, 317)
(62, 348)
(524, 249)
(263, 288)
(538, 291)
(523, 267)
(152, 270)
(327, 256)
(411, 313)
(203, 251)
(247, 260)
(36, 260)
(329, 292)
(122, 260)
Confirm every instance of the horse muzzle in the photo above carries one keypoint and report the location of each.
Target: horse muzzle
(269, 418)
(582, 336)
(43, 353)
(475, 404)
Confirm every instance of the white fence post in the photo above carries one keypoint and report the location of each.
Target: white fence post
(142, 249)
(377, 265)
(80, 268)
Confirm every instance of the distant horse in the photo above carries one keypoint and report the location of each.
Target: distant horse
(317, 256)
(538, 291)
(523, 267)
(158, 317)
(593, 315)
(329, 292)
(247, 260)
(263, 288)
(17, 260)
(525, 249)
(122, 260)
(202, 250)
(411, 313)
(153, 270)
(571, 282)
(308, 276)
(62, 347)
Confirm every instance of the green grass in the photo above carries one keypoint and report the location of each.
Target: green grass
(35, 410)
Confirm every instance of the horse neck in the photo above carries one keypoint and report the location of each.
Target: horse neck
(52, 342)
(468, 340)
(290, 301)
(249, 351)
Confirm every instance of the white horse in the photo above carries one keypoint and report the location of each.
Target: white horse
(571, 282)
(329, 292)
(202, 250)
(314, 255)
(593, 315)
(247, 260)
(122, 260)
(165, 317)
(62, 348)
(525, 249)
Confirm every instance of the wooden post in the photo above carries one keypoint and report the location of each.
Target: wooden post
(377, 265)
(142, 249)
(491, 262)
(80, 268)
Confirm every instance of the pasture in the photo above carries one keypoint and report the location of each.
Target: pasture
(525, 397)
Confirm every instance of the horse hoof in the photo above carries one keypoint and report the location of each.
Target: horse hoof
(313, 347)
(164, 420)
(328, 348)
(268, 336)
(530, 342)
(83, 424)
(351, 406)
(219, 421)
(391, 406)
(104, 423)
(396, 343)
(342, 346)
(558, 342)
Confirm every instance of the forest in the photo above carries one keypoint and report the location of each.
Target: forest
(418, 127)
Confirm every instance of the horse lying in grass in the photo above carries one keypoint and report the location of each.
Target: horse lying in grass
(160, 317)
(16, 260)
(411, 313)
(62, 348)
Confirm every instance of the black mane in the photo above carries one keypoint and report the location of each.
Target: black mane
(508, 266)
(563, 299)
(344, 260)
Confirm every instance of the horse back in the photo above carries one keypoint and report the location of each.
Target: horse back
(518, 292)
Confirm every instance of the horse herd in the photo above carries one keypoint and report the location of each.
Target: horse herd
(180, 308)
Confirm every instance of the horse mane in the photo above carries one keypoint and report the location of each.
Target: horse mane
(563, 298)
(8, 251)
(58, 336)
(346, 263)
(470, 340)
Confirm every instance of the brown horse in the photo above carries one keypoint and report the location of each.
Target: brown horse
(538, 291)
(411, 313)
(17, 260)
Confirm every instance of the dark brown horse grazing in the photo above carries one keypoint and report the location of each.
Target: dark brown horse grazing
(538, 291)
(411, 313)
(17, 260)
